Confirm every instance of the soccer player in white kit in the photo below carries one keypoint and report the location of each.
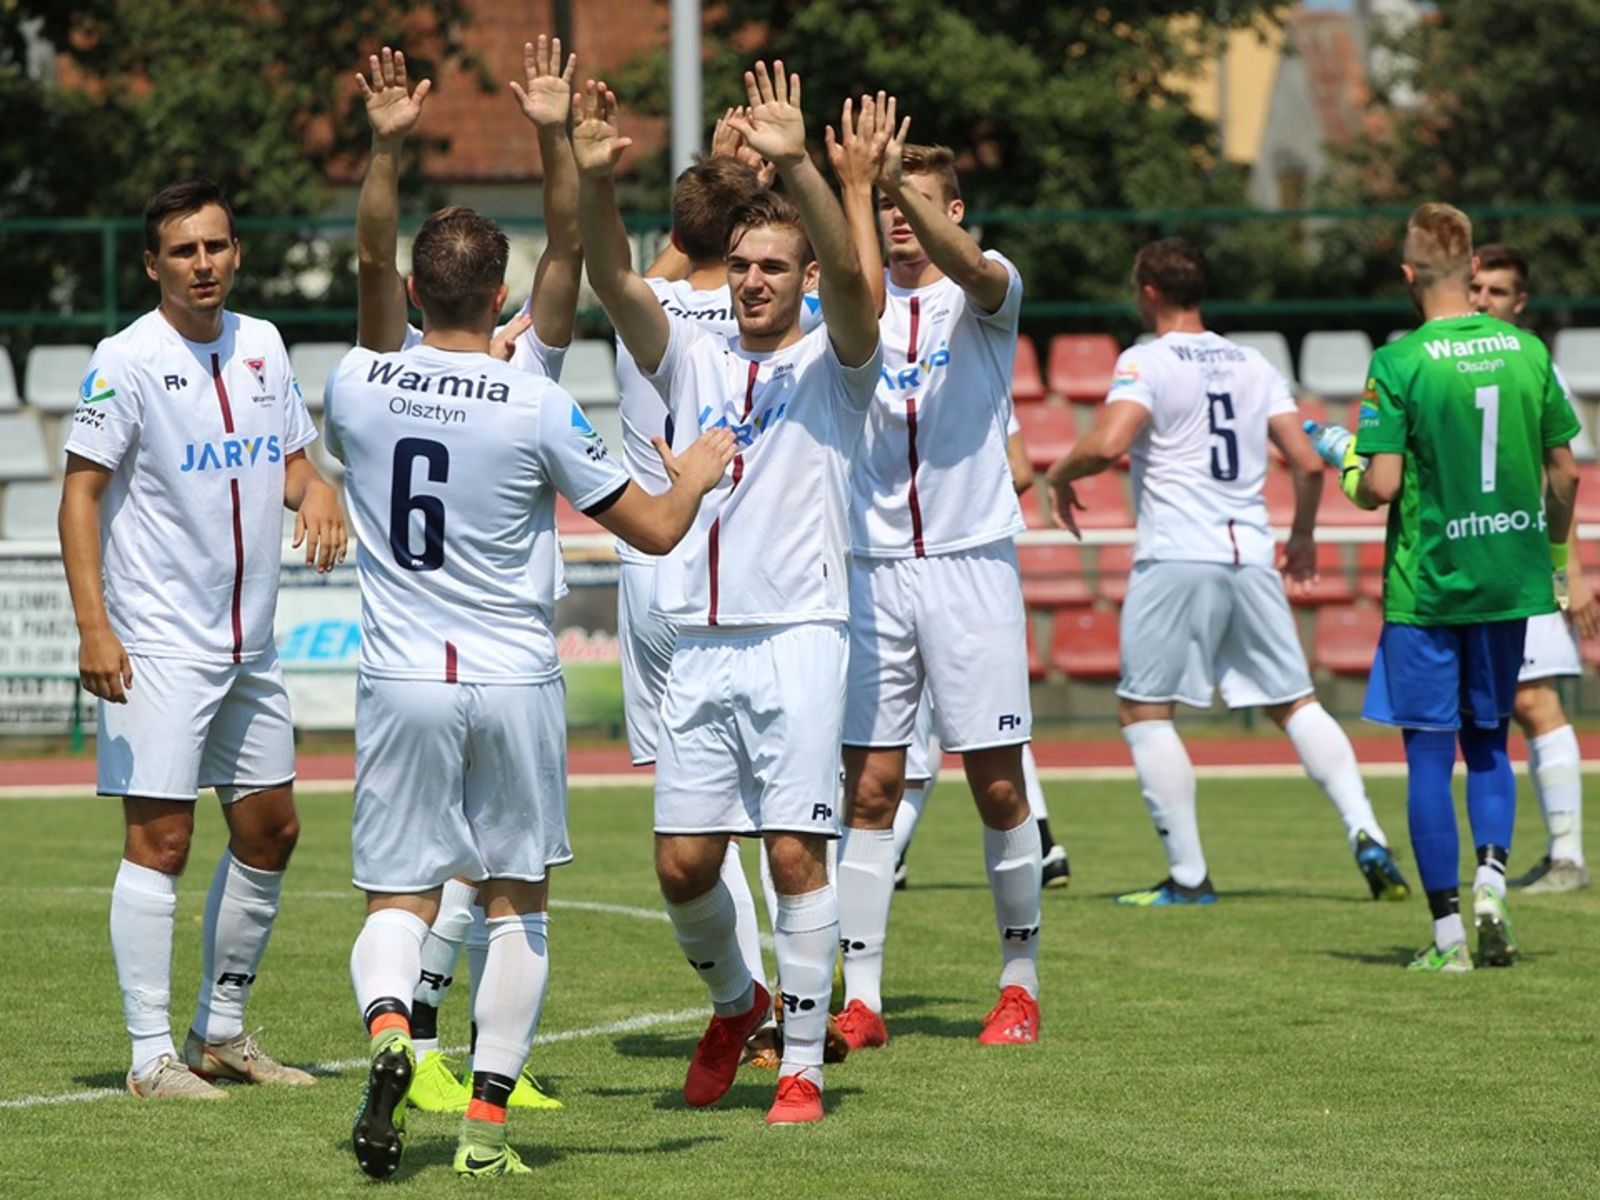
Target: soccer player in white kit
(1206, 606)
(534, 340)
(187, 444)
(453, 462)
(1500, 288)
(935, 594)
(749, 727)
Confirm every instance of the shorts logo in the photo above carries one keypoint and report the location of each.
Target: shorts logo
(95, 388)
(821, 812)
(1010, 721)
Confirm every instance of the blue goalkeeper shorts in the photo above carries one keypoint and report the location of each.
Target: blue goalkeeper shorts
(1444, 676)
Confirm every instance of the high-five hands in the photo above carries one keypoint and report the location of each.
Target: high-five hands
(701, 466)
(857, 152)
(596, 143)
(392, 107)
(726, 142)
(773, 125)
(546, 96)
(891, 167)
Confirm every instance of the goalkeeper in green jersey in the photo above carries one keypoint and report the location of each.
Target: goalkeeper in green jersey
(1463, 432)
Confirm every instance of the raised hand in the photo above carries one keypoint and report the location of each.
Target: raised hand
(726, 142)
(891, 168)
(392, 107)
(596, 143)
(504, 344)
(546, 97)
(773, 125)
(858, 149)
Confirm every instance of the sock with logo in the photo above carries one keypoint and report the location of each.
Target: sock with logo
(1556, 768)
(1330, 761)
(506, 1008)
(240, 910)
(1491, 871)
(1445, 906)
(806, 940)
(384, 964)
(707, 932)
(865, 889)
(1012, 859)
(1166, 778)
(744, 909)
(143, 901)
(440, 952)
(1430, 810)
(1491, 796)
(483, 1129)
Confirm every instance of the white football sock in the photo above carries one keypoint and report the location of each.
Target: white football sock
(1166, 777)
(240, 909)
(1033, 785)
(906, 817)
(744, 909)
(142, 903)
(1330, 761)
(1448, 931)
(865, 888)
(386, 958)
(477, 946)
(1012, 858)
(1557, 770)
(506, 1008)
(440, 951)
(707, 932)
(1490, 877)
(806, 939)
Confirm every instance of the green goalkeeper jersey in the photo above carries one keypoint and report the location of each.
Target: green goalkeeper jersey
(1472, 403)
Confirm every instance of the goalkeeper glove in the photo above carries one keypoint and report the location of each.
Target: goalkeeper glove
(1558, 575)
(1355, 465)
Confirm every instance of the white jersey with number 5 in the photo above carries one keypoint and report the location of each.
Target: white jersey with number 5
(1200, 462)
(453, 460)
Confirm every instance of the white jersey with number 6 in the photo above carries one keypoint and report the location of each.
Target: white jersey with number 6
(453, 460)
(1200, 462)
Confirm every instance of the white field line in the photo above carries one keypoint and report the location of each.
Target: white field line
(611, 1028)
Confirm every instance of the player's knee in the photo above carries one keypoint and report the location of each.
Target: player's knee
(268, 845)
(685, 877)
(798, 865)
(1537, 710)
(876, 795)
(164, 849)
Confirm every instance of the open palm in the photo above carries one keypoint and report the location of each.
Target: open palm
(773, 125)
(546, 96)
(393, 109)
(597, 145)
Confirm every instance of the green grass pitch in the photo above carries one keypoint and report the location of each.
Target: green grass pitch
(1270, 1046)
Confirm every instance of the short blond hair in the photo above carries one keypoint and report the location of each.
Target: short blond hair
(933, 160)
(1439, 244)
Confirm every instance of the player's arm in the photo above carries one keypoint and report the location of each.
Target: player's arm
(627, 299)
(1098, 450)
(655, 524)
(392, 111)
(775, 129)
(1583, 608)
(103, 667)
(672, 263)
(318, 521)
(856, 154)
(1019, 462)
(1378, 483)
(948, 246)
(1305, 467)
(1560, 502)
(546, 100)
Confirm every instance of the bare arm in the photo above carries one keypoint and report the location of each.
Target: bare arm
(1305, 465)
(655, 524)
(948, 246)
(318, 521)
(103, 667)
(627, 299)
(1380, 482)
(1560, 493)
(546, 99)
(856, 154)
(1019, 462)
(392, 111)
(1098, 450)
(775, 129)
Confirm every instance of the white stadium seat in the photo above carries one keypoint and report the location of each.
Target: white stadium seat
(1274, 347)
(54, 376)
(22, 447)
(589, 372)
(312, 363)
(9, 397)
(28, 511)
(1333, 363)
(1577, 353)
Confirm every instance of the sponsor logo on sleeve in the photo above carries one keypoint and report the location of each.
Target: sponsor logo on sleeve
(594, 447)
(1125, 374)
(95, 388)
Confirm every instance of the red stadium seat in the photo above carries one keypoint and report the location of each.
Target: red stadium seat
(1337, 508)
(1081, 365)
(1588, 492)
(1333, 583)
(1053, 576)
(1036, 665)
(1111, 574)
(1027, 383)
(570, 521)
(1084, 644)
(1369, 571)
(1346, 638)
(1104, 500)
(1048, 430)
(1278, 492)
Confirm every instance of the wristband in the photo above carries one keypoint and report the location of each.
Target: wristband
(1559, 555)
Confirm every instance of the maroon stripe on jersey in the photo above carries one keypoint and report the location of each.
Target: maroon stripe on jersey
(222, 394)
(911, 436)
(1233, 541)
(711, 568)
(712, 549)
(449, 662)
(238, 572)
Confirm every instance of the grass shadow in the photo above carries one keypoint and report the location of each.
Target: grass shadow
(1395, 956)
(655, 1045)
(756, 1097)
(102, 1079)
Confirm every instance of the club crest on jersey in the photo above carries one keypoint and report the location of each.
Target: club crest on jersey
(258, 368)
(231, 453)
(95, 388)
(914, 375)
(1126, 373)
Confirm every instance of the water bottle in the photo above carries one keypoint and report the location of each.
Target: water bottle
(1329, 441)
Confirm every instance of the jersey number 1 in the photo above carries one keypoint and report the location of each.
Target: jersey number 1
(402, 503)
(1489, 459)
(1225, 443)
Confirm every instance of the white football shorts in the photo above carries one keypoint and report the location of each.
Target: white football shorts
(953, 623)
(189, 725)
(924, 755)
(458, 779)
(1550, 650)
(646, 640)
(1189, 627)
(749, 738)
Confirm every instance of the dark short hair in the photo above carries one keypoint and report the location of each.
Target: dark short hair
(704, 201)
(179, 200)
(768, 209)
(1497, 256)
(1176, 268)
(933, 160)
(458, 261)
